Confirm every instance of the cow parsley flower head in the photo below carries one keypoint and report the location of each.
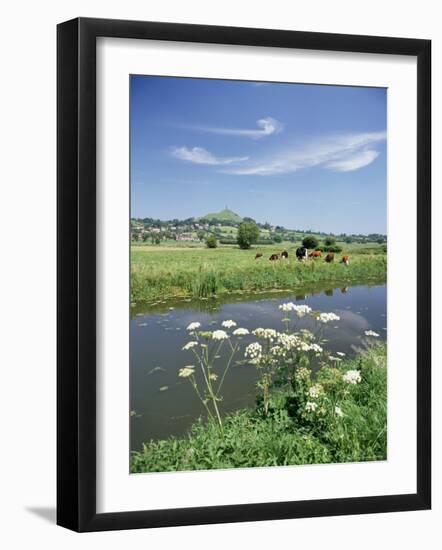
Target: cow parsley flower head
(332, 358)
(266, 333)
(302, 310)
(327, 317)
(287, 306)
(302, 372)
(253, 352)
(213, 376)
(219, 335)
(228, 324)
(190, 345)
(240, 332)
(338, 411)
(340, 353)
(315, 391)
(352, 377)
(311, 406)
(185, 372)
(194, 326)
(371, 333)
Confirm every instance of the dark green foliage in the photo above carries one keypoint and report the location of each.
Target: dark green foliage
(248, 234)
(329, 241)
(310, 242)
(211, 241)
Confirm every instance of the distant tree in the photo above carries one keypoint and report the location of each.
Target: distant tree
(277, 238)
(200, 235)
(157, 240)
(211, 241)
(380, 241)
(248, 233)
(348, 240)
(329, 241)
(249, 220)
(310, 242)
(135, 237)
(145, 237)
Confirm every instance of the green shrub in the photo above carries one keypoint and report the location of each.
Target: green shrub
(211, 241)
(310, 242)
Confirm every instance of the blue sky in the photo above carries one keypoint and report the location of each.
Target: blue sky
(301, 156)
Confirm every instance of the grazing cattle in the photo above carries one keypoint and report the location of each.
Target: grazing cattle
(330, 257)
(274, 257)
(345, 260)
(301, 253)
(258, 255)
(284, 255)
(315, 254)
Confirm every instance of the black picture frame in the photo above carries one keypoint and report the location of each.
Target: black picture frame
(77, 287)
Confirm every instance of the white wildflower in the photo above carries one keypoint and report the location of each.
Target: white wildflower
(185, 372)
(371, 333)
(253, 352)
(302, 310)
(340, 353)
(338, 411)
(302, 372)
(315, 391)
(327, 317)
(240, 332)
(311, 406)
(213, 376)
(190, 345)
(194, 326)
(266, 333)
(352, 376)
(315, 348)
(228, 324)
(288, 341)
(287, 306)
(219, 335)
(334, 358)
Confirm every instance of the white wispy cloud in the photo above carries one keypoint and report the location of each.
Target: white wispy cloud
(342, 153)
(199, 155)
(354, 162)
(266, 127)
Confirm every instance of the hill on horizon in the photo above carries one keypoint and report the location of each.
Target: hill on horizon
(223, 215)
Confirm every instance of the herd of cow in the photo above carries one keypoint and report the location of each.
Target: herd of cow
(302, 254)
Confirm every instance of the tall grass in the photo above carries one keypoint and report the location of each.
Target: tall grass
(287, 435)
(203, 273)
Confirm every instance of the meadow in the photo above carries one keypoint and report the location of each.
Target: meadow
(161, 272)
(340, 415)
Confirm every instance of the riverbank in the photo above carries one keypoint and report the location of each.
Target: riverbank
(201, 273)
(346, 423)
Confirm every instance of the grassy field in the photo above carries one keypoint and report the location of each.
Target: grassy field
(290, 435)
(162, 272)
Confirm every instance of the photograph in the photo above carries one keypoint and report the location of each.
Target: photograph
(258, 246)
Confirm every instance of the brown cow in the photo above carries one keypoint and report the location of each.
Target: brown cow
(274, 257)
(345, 260)
(330, 257)
(315, 254)
(258, 255)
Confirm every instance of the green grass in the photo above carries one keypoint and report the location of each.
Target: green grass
(289, 435)
(164, 272)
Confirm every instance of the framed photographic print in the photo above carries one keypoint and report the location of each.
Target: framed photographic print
(243, 274)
